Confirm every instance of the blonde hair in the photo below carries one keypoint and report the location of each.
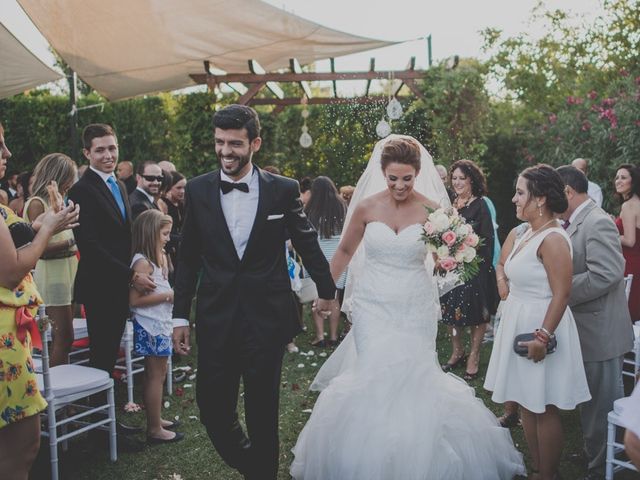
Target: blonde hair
(55, 166)
(146, 234)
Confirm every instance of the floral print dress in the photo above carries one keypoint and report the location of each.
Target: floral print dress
(19, 394)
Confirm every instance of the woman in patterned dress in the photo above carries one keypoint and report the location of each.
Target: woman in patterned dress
(20, 399)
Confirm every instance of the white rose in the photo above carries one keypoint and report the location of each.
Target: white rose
(442, 251)
(459, 257)
(431, 248)
(461, 230)
(440, 222)
(469, 254)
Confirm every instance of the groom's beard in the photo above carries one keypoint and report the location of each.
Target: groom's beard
(239, 162)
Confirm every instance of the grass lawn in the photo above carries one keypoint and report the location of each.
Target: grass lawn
(195, 458)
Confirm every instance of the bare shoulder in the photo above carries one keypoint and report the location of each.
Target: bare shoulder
(368, 206)
(555, 242)
(426, 201)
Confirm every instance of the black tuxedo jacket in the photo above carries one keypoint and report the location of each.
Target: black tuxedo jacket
(140, 203)
(255, 288)
(104, 241)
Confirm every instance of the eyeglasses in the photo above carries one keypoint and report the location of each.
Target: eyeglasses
(153, 178)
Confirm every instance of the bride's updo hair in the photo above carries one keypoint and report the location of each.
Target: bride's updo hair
(544, 181)
(401, 150)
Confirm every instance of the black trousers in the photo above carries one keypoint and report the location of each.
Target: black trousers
(105, 325)
(219, 373)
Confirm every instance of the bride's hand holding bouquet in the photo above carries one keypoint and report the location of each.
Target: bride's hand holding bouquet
(453, 244)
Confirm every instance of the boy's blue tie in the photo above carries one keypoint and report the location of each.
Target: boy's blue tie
(115, 191)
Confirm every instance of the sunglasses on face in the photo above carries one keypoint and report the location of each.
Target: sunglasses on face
(153, 178)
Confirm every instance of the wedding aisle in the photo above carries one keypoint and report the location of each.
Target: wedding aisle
(195, 459)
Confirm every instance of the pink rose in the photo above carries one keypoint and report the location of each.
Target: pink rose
(429, 228)
(449, 237)
(448, 263)
(472, 240)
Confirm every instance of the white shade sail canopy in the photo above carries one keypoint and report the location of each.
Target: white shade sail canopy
(124, 48)
(20, 69)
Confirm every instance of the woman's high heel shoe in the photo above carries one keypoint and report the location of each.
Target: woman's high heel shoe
(447, 367)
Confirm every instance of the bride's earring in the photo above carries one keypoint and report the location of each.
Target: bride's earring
(539, 210)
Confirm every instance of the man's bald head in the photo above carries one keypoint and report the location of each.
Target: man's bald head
(125, 170)
(581, 164)
(167, 165)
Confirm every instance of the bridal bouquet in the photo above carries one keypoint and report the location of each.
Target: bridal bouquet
(454, 244)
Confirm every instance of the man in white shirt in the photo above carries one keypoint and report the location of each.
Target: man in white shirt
(235, 225)
(594, 191)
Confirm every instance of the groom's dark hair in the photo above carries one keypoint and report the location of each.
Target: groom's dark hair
(237, 117)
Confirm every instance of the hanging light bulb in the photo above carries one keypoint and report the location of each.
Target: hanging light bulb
(394, 109)
(383, 129)
(305, 139)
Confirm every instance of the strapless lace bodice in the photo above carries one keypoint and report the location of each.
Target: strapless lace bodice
(394, 293)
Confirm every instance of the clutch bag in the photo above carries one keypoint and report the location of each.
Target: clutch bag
(523, 351)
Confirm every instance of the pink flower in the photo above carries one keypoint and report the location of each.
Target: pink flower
(586, 126)
(608, 102)
(472, 240)
(448, 263)
(553, 118)
(571, 100)
(449, 237)
(428, 228)
(623, 72)
(592, 95)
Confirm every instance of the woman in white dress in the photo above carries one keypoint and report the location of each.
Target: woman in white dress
(538, 271)
(387, 410)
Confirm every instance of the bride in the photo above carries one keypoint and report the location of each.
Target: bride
(387, 411)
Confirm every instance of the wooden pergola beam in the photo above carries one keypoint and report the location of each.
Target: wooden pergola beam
(251, 92)
(285, 102)
(295, 67)
(332, 62)
(410, 66)
(372, 68)
(403, 75)
(256, 69)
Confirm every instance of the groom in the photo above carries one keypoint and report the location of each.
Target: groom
(236, 222)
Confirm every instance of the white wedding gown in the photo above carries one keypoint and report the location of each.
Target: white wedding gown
(387, 410)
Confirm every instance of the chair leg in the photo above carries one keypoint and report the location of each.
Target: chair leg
(64, 429)
(169, 376)
(129, 368)
(53, 439)
(611, 438)
(113, 448)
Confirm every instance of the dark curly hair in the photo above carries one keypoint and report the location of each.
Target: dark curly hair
(635, 181)
(544, 181)
(472, 172)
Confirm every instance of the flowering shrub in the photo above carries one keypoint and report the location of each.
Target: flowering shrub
(602, 126)
(453, 242)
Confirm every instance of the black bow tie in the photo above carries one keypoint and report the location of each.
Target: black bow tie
(226, 187)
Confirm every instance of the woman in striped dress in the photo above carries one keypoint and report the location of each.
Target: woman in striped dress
(326, 211)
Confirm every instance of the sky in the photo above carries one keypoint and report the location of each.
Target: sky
(454, 25)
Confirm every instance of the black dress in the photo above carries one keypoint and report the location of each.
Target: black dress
(474, 302)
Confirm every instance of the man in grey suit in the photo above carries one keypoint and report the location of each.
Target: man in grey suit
(599, 305)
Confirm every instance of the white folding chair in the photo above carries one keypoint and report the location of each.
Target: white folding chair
(63, 385)
(132, 365)
(614, 448)
(77, 355)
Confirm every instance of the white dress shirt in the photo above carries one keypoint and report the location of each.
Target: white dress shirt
(595, 192)
(239, 209)
(149, 197)
(104, 176)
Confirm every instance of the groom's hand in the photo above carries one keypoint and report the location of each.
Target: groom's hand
(181, 343)
(326, 307)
